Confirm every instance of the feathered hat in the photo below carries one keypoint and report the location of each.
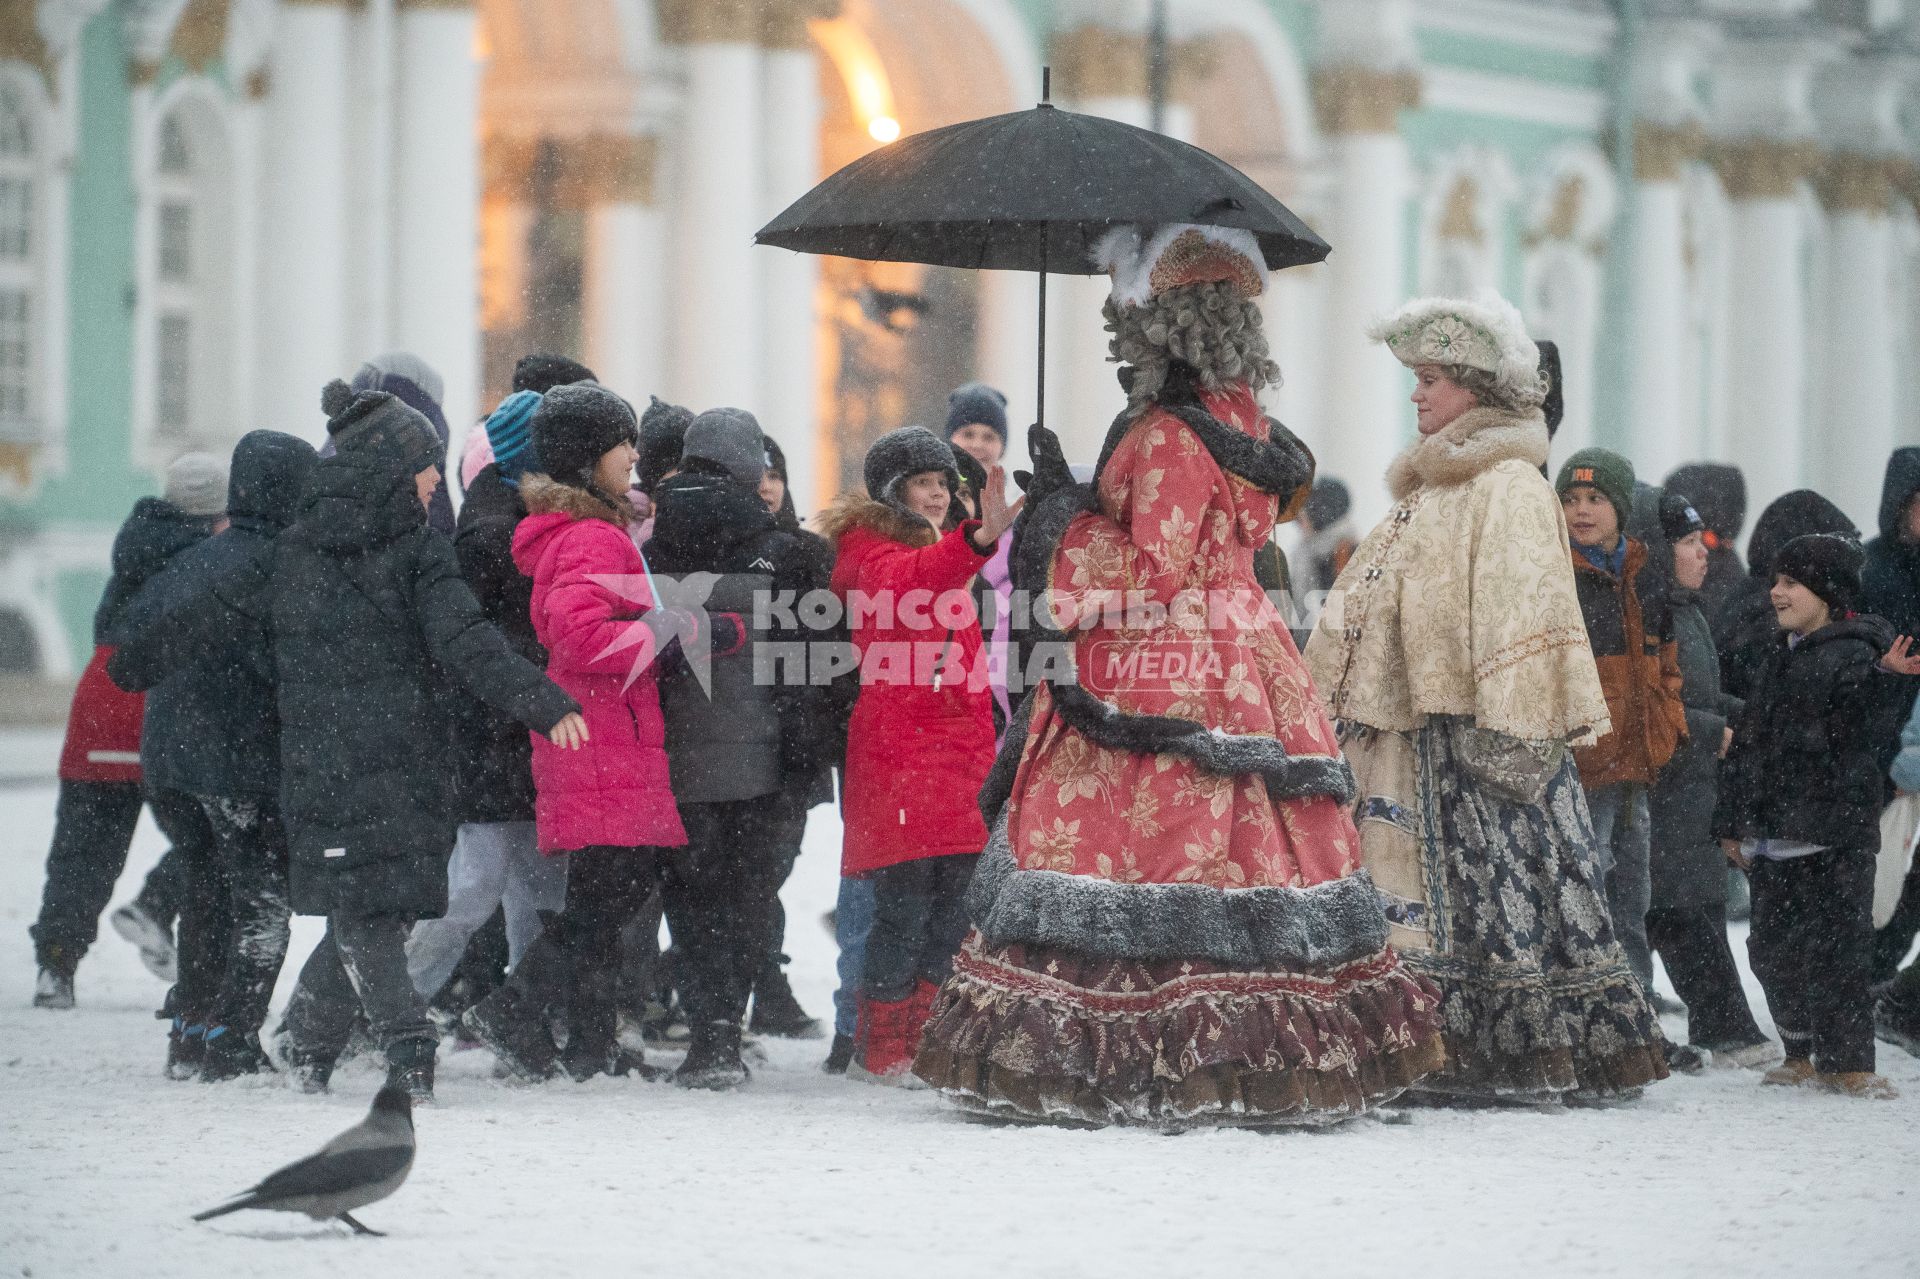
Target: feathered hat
(1147, 261)
(1482, 332)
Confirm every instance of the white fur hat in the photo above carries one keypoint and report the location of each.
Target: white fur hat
(1145, 261)
(1482, 332)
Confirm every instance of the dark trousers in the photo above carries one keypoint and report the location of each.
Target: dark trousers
(1892, 942)
(605, 888)
(720, 892)
(919, 921)
(248, 874)
(205, 924)
(785, 824)
(1810, 947)
(1692, 941)
(361, 963)
(92, 829)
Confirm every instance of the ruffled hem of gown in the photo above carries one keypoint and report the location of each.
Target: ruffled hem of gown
(1043, 1035)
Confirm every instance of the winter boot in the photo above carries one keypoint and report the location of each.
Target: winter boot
(53, 990)
(775, 1011)
(885, 1037)
(713, 1058)
(1791, 1073)
(186, 1049)
(1755, 1056)
(1898, 1024)
(1858, 1083)
(410, 1066)
(1684, 1059)
(840, 1056)
(230, 1054)
(516, 1032)
(137, 925)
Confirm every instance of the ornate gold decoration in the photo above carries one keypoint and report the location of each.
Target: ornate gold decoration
(1563, 214)
(600, 168)
(1854, 182)
(20, 40)
(142, 72)
(1355, 99)
(1764, 168)
(259, 84)
(435, 4)
(1661, 152)
(709, 21)
(1099, 62)
(1460, 219)
(200, 35)
(1906, 179)
(784, 24)
(17, 460)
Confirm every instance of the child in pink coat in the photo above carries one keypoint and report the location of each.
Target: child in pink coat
(608, 805)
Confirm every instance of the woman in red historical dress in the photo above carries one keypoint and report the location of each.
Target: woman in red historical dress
(1172, 926)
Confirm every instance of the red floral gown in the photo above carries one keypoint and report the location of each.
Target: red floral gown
(1175, 932)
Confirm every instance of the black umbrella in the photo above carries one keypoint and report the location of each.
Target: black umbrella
(1030, 191)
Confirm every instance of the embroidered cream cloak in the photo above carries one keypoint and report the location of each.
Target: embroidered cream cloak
(1461, 601)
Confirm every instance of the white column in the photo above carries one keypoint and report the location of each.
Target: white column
(1858, 419)
(305, 261)
(1766, 351)
(1008, 351)
(788, 403)
(620, 306)
(715, 333)
(434, 298)
(1663, 430)
(1367, 417)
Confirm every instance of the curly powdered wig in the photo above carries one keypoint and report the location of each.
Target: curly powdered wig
(1488, 390)
(1210, 327)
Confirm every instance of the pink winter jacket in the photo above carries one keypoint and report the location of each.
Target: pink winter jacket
(589, 590)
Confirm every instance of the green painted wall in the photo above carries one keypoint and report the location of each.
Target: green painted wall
(1475, 53)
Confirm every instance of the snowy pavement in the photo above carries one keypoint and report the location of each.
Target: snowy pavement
(102, 1161)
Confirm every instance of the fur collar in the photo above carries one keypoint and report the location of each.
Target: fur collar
(544, 495)
(857, 510)
(1475, 441)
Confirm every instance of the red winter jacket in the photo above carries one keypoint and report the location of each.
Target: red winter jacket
(103, 728)
(589, 590)
(917, 754)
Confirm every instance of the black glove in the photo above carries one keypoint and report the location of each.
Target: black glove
(1050, 471)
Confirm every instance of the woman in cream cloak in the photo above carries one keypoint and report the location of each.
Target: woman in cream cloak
(1454, 660)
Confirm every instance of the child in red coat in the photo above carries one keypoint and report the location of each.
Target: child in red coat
(608, 805)
(921, 740)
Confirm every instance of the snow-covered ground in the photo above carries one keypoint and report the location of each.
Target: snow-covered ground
(102, 1161)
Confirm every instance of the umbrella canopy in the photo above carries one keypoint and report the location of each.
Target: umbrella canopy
(1029, 191)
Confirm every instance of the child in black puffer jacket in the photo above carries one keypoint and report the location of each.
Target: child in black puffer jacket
(1799, 811)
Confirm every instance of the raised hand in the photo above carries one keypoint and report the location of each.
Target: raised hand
(1899, 659)
(1050, 470)
(996, 516)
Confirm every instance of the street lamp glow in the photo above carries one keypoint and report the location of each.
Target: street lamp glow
(883, 128)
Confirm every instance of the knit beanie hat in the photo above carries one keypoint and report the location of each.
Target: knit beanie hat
(1326, 503)
(1826, 564)
(510, 432)
(541, 373)
(732, 440)
(1604, 470)
(196, 484)
(663, 429)
(977, 402)
(1678, 518)
(574, 427)
(379, 424)
(899, 454)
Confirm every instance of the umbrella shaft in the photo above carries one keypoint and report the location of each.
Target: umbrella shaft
(1040, 393)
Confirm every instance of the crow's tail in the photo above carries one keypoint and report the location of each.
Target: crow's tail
(244, 1201)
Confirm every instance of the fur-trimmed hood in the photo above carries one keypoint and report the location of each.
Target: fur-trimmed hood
(1473, 442)
(857, 510)
(545, 495)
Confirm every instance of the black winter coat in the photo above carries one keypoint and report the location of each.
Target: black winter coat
(1688, 867)
(154, 532)
(1890, 579)
(1805, 763)
(756, 733)
(1745, 629)
(495, 754)
(200, 641)
(372, 623)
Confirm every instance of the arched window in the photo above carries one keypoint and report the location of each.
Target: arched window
(188, 289)
(19, 251)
